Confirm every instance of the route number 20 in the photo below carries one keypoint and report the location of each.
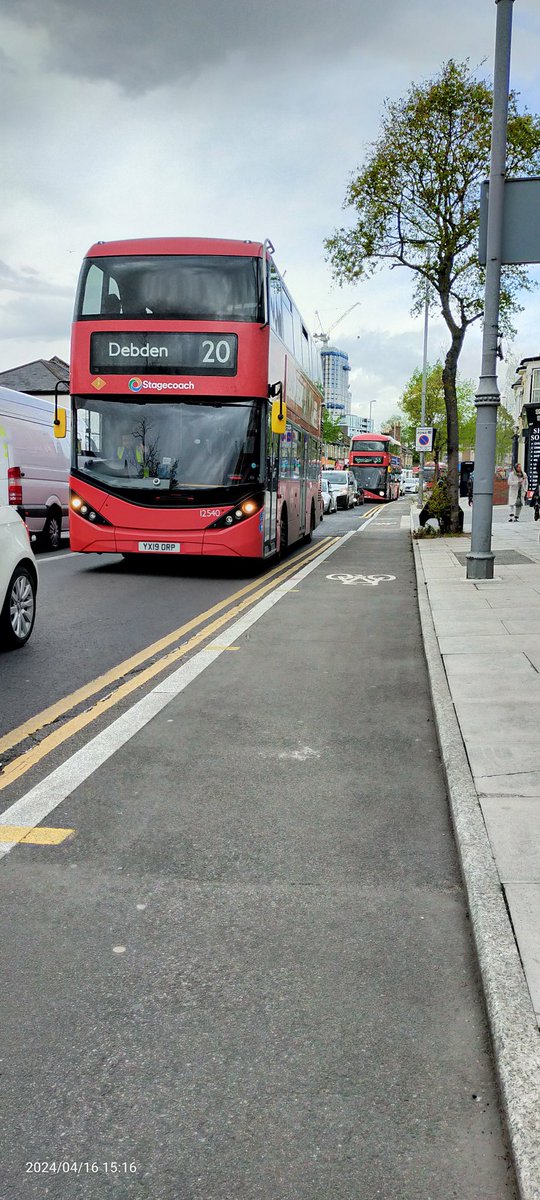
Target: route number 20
(217, 351)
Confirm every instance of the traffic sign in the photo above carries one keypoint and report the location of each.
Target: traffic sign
(424, 437)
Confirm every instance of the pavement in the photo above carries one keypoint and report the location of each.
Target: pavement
(482, 642)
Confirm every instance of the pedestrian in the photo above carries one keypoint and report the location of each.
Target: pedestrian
(470, 488)
(535, 501)
(517, 491)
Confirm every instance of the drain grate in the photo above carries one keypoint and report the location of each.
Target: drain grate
(503, 558)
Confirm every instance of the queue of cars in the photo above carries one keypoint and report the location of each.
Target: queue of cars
(347, 492)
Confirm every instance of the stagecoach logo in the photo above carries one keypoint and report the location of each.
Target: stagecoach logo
(151, 385)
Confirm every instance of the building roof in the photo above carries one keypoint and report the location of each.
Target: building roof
(38, 378)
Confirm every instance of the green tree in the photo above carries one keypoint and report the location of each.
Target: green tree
(331, 431)
(411, 404)
(416, 202)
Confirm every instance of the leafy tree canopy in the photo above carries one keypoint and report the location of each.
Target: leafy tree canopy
(435, 414)
(331, 430)
(416, 204)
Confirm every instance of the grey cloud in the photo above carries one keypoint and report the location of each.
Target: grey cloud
(391, 358)
(141, 46)
(28, 281)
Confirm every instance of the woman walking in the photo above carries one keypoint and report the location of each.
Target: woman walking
(517, 491)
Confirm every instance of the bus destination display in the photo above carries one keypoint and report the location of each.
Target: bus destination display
(163, 353)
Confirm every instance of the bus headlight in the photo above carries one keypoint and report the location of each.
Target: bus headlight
(246, 508)
(85, 510)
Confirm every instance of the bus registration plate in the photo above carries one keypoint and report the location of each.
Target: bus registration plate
(159, 547)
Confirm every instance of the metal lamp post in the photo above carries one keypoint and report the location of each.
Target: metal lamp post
(480, 560)
(371, 403)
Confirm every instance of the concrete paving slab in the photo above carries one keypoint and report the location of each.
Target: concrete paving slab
(470, 666)
(524, 902)
(523, 625)
(495, 718)
(522, 783)
(469, 626)
(533, 653)
(528, 600)
(509, 821)
(494, 758)
(485, 643)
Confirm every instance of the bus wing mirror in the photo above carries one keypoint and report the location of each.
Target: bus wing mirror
(60, 418)
(60, 423)
(279, 416)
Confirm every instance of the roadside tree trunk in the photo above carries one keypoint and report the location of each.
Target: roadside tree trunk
(449, 379)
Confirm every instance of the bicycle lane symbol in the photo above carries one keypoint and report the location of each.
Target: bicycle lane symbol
(365, 580)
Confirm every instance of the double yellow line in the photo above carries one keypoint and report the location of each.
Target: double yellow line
(234, 605)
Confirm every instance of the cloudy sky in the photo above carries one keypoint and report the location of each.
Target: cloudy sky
(226, 118)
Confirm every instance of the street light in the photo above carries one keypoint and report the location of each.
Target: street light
(371, 403)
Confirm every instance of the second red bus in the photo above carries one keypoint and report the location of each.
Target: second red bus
(376, 462)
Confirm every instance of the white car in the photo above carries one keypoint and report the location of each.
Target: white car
(328, 497)
(18, 580)
(343, 485)
(409, 484)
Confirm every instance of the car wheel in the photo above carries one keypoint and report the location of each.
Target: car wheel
(52, 532)
(19, 611)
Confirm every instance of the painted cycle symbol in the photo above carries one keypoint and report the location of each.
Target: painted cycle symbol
(370, 580)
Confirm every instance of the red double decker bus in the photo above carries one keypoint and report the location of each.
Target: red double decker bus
(376, 462)
(195, 415)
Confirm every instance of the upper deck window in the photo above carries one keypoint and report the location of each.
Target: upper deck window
(360, 447)
(170, 287)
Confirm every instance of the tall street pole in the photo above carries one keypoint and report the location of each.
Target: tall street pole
(423, 400)
(480, 559)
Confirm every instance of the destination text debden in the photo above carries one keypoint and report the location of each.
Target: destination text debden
(132, 351)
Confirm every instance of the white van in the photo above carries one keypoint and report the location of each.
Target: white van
(34, 465)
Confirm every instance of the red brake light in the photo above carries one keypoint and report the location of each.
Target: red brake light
(14, 486)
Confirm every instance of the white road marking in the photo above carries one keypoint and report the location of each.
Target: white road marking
(59, 557)
(374, 580)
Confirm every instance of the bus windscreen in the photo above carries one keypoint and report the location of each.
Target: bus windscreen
(166, 447)
(372, 479)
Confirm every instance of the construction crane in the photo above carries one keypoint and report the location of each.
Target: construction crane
(325, 337)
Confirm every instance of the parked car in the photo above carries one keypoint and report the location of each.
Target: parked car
(34, 465)
(18, 580)
(328, 497)
(344, 487)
